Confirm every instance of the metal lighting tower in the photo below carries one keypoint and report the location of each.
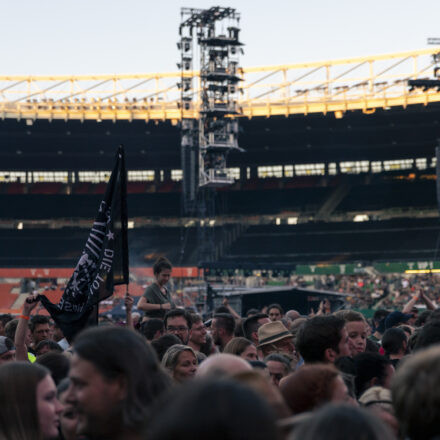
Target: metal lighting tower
(207, 140)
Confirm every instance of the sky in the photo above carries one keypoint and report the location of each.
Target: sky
(60, 37)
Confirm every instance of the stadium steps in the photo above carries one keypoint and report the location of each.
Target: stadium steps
(332, 202)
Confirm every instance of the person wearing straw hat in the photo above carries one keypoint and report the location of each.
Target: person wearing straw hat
(274, 337)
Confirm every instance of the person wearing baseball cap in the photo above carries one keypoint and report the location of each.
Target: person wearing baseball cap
(396, 318)
(7, 350)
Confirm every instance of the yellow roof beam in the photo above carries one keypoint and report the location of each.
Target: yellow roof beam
(361, 83)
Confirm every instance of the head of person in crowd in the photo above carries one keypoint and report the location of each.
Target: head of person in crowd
(251, 325)
(198, 333)
(275, 312)
(46, 346)
(178, 322)
(152, 328)
(115, 377)
(57, 363)
(291, 315)
(222, 329)
(4, 319)
(356, 327)
(7, 350)
(260, 366)
(312, 386)
(162, 271)
(428, 335)
(378, 400)
(322, 339)
(162, 344)
(379, 317)
(11, 328)
(407, 329)
(279, 367)
(335, 422)
(252, 312)
(295, 325)
(415, 392)
(345, 365)
(272, 395)
(69, 416)
(275, 338)
(396, 318)
(222, 364)
(181, 362)
(29, 406)
(423, 318)
(221, 309)
(40, 328)
(372, 369)
(371, 346)
(200, 357)
(395, 344)
(242, 347)
(216, 409)
(238, 332)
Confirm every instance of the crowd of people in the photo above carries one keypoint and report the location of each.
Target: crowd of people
(270, 374)
(365, 290)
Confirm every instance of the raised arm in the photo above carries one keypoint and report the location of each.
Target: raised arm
(128, 301)
(21, 353)
(430, 305)
(411, 303)
(231, 310)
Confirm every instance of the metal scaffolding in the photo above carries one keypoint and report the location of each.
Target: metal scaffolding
(208, 136)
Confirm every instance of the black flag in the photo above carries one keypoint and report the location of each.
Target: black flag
(104, 261)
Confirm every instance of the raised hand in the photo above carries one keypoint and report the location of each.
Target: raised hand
(30, 303)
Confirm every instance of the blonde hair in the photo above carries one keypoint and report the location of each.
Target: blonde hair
(171, 356)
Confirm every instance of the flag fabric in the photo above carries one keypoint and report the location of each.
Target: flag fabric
(104, 260)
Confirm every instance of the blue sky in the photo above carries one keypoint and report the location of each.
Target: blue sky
(135, 36)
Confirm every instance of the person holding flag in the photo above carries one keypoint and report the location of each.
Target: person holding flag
(103, 263)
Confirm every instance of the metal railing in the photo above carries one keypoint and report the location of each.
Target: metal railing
(363, 83)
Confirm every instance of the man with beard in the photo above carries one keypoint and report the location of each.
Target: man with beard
(222, 329)
(178, 322)
(275, 338)
(323, 339)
